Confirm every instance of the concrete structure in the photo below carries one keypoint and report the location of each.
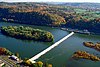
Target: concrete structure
(14, 57)
(49, 48)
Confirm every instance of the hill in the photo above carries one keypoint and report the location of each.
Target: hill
(68, 15)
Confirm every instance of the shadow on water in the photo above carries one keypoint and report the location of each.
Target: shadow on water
(85, 36)
(27, 41)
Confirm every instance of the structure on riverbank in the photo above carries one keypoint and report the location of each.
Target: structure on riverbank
(49, 48)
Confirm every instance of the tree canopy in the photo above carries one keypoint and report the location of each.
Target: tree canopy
(27, 33)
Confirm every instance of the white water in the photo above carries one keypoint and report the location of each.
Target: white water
(49, 48)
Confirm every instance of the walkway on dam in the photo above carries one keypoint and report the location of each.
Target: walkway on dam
(50, 48)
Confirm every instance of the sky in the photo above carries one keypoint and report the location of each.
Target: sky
(97, 1)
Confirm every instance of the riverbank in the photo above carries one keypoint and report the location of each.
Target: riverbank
(85, 31)
(8, 58)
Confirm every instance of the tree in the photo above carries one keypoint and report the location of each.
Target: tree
(17, 54)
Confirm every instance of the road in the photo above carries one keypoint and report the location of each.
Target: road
(8, 62)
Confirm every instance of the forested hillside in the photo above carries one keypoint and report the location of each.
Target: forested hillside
(76, 17)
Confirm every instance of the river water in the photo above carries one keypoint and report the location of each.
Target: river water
(60, 56)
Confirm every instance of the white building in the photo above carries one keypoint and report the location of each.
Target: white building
(14, 57)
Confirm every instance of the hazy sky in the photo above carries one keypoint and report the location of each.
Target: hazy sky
(51, 1)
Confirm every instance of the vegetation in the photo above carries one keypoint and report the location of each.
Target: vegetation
(97, 46)
(17, 54)
(68, 15)
(4, 51)
(37, 64)
(27, 33)
(91, 45)
(88, 44)
(85, 55)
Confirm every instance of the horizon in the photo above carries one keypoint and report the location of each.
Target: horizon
(71, 1)
(48, 2)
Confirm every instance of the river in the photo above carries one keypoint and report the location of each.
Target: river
(59, 56)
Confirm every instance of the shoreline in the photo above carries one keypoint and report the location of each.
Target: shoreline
(85, 31)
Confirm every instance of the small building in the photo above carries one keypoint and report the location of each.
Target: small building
(13, 57)
(1, 63)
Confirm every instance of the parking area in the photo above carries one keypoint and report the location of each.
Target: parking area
(9, 62)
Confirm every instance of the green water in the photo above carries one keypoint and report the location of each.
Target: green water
(59, 56)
